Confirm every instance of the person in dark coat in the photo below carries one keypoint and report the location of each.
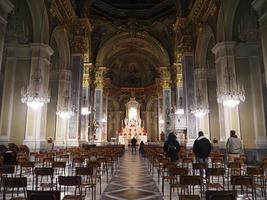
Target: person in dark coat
(172, 147)
(133, 143)
(202, 148)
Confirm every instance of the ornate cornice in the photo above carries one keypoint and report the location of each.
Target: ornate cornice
(80, 29)
(201, 10)
(63, 11)
(184, 28)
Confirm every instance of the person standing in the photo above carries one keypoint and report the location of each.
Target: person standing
(234, 146)
(202, 148)
(141, 148)
(172, 147)
(133, 143)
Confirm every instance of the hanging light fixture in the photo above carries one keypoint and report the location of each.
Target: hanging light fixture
(199, 110)
(232, 94)
(35, 95)
(65, 110)
(85, 108)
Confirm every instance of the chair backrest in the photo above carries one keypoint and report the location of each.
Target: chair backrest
(221, 195)
(191, 180)
(69, 180)
(197, 166)
(7, 169)
(87, 171)
(215, 172)
(254, 171)
(189, 197)
(242, 180)
(43, 195)
(17, 182)
(59, 164)
(44, 171)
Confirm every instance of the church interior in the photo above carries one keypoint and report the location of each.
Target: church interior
(81, 78)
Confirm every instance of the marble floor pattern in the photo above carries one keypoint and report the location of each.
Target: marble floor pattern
(132, 181)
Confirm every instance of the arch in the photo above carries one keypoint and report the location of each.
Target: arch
(225, 20)
(202, 45)
(121, 38)
(60, 36)
(40, 21)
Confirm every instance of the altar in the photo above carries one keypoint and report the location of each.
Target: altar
(132, 125)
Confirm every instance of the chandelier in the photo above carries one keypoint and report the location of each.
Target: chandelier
(231, 95)
(85, 110)
(33, 97)
(65, 110)
(179, 110)
(198, 109)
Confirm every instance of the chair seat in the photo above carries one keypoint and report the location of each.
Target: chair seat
(47, 185)
(214, 185)
(88, 185)
(169, 177)
(17, 198)
(73, 197)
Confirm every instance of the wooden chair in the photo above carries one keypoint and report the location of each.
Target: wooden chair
(59, 167)
(258, 178)
(43, 195)
(175, 182)
(86, 174)
(27, 167)
(190, 182)
(198, 168)
(44, 172)
(244, 182)
(221, 195)
(71, 181)
(20, 182)
(215, 173)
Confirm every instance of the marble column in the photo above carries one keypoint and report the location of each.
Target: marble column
(166, 98)
(35, 137)
(228, 117)
(261, 8)
(86, 101)
(249, 66)
(5, 6)
(180, 119)
(17, 72)
(188, 74)
(201, 87)
(98, 101)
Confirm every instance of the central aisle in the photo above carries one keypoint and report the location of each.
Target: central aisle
(131, 181)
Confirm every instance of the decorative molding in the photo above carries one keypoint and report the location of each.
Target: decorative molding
(63, 11)
(100, 78)
(165, 78)
(201, 10)
(80, 30)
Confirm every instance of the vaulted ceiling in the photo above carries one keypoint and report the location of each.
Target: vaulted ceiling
(132, 67)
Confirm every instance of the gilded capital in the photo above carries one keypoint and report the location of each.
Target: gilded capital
(178, 68)
(100, 77)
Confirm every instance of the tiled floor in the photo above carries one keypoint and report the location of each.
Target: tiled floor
(132, 181)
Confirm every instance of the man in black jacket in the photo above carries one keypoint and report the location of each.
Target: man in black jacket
(201, 149)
